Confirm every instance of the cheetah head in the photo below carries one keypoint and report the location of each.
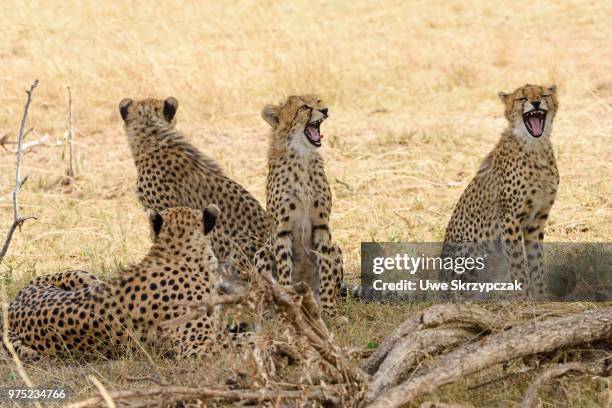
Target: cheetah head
(297, 122)
(183, 232)
(149, 110)
(530, 110)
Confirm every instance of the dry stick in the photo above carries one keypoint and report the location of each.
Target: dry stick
(17, 219)
(306, 320)
(69, 135)
(9, 346)
(529, 338)
(103, 392)
(205, 393)
(558, 370)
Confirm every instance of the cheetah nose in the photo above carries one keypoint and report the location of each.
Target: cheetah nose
(536, 104)
(324, 111)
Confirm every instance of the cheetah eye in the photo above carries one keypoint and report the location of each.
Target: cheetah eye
(546, 95)
(305, 107)
(521, 99)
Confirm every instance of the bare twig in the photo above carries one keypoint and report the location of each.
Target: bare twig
(69, 136)
(4, 141)
(9, 347)
(17, 219)
(31, 145)
(204, 393)
(598, 368)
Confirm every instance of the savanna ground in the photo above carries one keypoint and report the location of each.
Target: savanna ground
(411, 88)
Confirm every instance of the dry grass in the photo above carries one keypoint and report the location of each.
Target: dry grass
(411, 87)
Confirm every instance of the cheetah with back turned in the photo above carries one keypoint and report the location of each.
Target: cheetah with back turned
(174, 173)
(298, 197)
(504, 209)
(74, 313)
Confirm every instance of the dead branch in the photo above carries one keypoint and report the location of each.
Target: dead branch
(31, 145)
(69, 136)
(298, 306)
(431, 317)
(9, 347)
(204, 393)
(409, 351)
(529, 338)
(17, 219)
(598, 368)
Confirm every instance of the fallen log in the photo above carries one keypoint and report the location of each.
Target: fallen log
(409, 351)
(432, 317)
(528, 338)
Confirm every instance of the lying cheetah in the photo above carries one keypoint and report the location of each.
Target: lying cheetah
(74, 313)
(506, 205)
(173, 173)
(299, 201)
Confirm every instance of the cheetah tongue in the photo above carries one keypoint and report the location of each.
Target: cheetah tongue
(537, 124)
(313, 134)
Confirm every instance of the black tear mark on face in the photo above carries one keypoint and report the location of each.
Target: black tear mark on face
(157, 221)
(170, 107)
(209, 218)
(123, 108)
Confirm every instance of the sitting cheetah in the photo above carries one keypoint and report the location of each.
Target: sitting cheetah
(299, 201)
(74, 313)
(506, 205)
(173, 173)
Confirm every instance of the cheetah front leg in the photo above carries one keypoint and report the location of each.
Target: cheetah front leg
(534, 237)
(512, 244)
(328, 283)
(283, 251)
(337, 267)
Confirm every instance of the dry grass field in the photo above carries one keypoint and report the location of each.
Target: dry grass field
(411, 87)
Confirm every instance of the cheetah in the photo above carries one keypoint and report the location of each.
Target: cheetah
(298, 197)
(505, 207)
(75, 314)
(174, 173)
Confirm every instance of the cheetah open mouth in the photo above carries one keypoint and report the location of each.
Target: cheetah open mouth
(313, 132)
(534, 121)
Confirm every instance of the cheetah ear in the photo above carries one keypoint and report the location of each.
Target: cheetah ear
(209, 217)
(123, 107)
(552, 89)
(270, 113)
(170, 107)
(156, 221)
(503, 96)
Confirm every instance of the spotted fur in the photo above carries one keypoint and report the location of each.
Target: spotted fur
(298, 196)
(74, 313)
(506, 206)
(174, 173)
